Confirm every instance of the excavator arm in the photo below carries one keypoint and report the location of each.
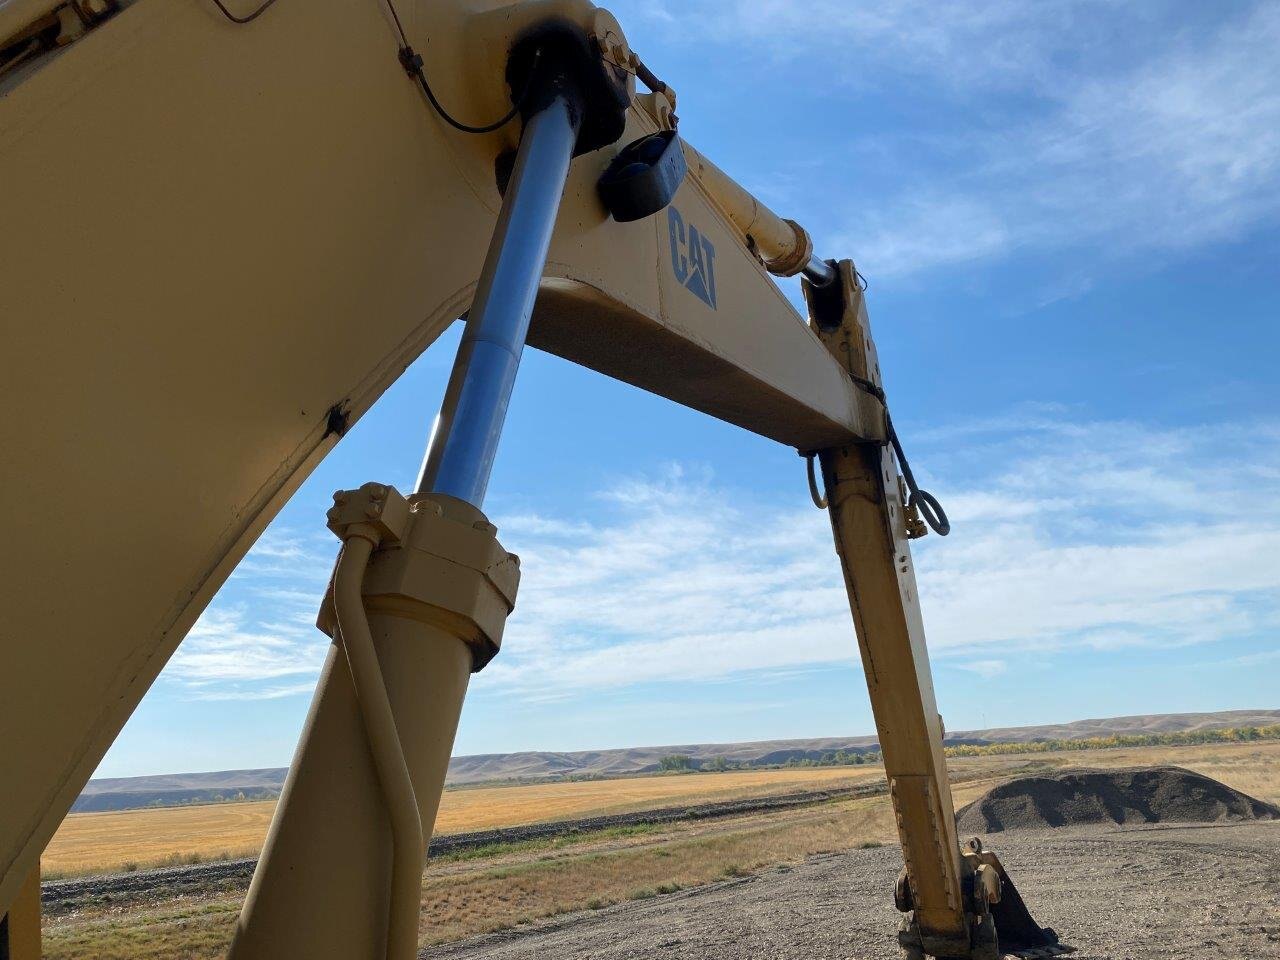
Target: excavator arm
(225, 235)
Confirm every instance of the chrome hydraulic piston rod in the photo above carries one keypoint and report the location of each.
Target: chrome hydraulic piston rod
(418, 603)
(464, 439)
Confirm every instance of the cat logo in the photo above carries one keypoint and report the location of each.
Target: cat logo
(693, 258)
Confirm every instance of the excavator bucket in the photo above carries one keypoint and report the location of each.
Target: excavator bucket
(1017, 931)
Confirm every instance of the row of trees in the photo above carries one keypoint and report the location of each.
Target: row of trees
(238, 797)
(682, 763)
(1182, 738)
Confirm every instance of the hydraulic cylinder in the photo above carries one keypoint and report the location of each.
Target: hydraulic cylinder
(340, 875)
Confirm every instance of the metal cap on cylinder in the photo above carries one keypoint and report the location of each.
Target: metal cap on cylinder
(445, 567)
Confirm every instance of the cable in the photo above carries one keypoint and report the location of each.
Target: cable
(866, 386)
(819, 500)
(922, 500)
(412, 62)
(247, 18)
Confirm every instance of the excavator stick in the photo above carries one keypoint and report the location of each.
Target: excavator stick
(960, 904)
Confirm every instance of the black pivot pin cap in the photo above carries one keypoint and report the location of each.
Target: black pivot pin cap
(644, 177)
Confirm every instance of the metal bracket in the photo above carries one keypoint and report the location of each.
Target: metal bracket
(439, 562)
(58, 27)
(916, 527)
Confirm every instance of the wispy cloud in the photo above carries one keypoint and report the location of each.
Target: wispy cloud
(290, 554)
(1253, 659)
(255, 692)
(1089, 536)
(1069, 535)
(1107, 129)
(1176, 150)
(988, 43)
(984, 668)
(258, 638)
(226, 644)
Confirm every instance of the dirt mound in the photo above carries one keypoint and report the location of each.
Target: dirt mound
(1120, 796)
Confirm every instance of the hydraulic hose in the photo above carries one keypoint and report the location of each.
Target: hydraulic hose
(384, 743)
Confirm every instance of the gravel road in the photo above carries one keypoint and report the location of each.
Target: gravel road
(1207, 892)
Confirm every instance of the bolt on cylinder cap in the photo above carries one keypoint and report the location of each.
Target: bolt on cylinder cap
(425, 504)
(376, 506)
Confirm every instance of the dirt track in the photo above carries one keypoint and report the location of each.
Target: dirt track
(1192, 893)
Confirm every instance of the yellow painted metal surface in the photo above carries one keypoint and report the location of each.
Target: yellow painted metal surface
(437, 593)
(216, 234)
(22, 921)
(868, 522)
(784, 245)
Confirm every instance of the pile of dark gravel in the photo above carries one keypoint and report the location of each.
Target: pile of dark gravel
(1122, 796)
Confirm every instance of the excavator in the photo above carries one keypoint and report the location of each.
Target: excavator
(228, 227)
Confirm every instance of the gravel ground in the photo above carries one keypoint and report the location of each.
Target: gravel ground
(1208, 892)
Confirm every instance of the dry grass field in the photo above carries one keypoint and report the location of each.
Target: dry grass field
(478, 808)
(468, 895)
(135, 839)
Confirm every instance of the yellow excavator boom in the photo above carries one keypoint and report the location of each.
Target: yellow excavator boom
(228, 228)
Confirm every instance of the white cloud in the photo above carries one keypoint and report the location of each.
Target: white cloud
(275, 692)
(1089, 536)
(1252, 659)
(984, 42)
(227, 645)
(1108, 129)
(923, 231)
(985, 668)
(283, 553)
(258, 637)
(1069, 535)
(1162, 155)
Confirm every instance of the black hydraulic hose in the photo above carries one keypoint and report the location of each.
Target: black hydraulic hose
(248, 17)
(922, 500)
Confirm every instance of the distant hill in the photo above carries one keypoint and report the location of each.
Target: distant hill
(170, 789)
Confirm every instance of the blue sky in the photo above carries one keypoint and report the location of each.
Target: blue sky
(1069, 215)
